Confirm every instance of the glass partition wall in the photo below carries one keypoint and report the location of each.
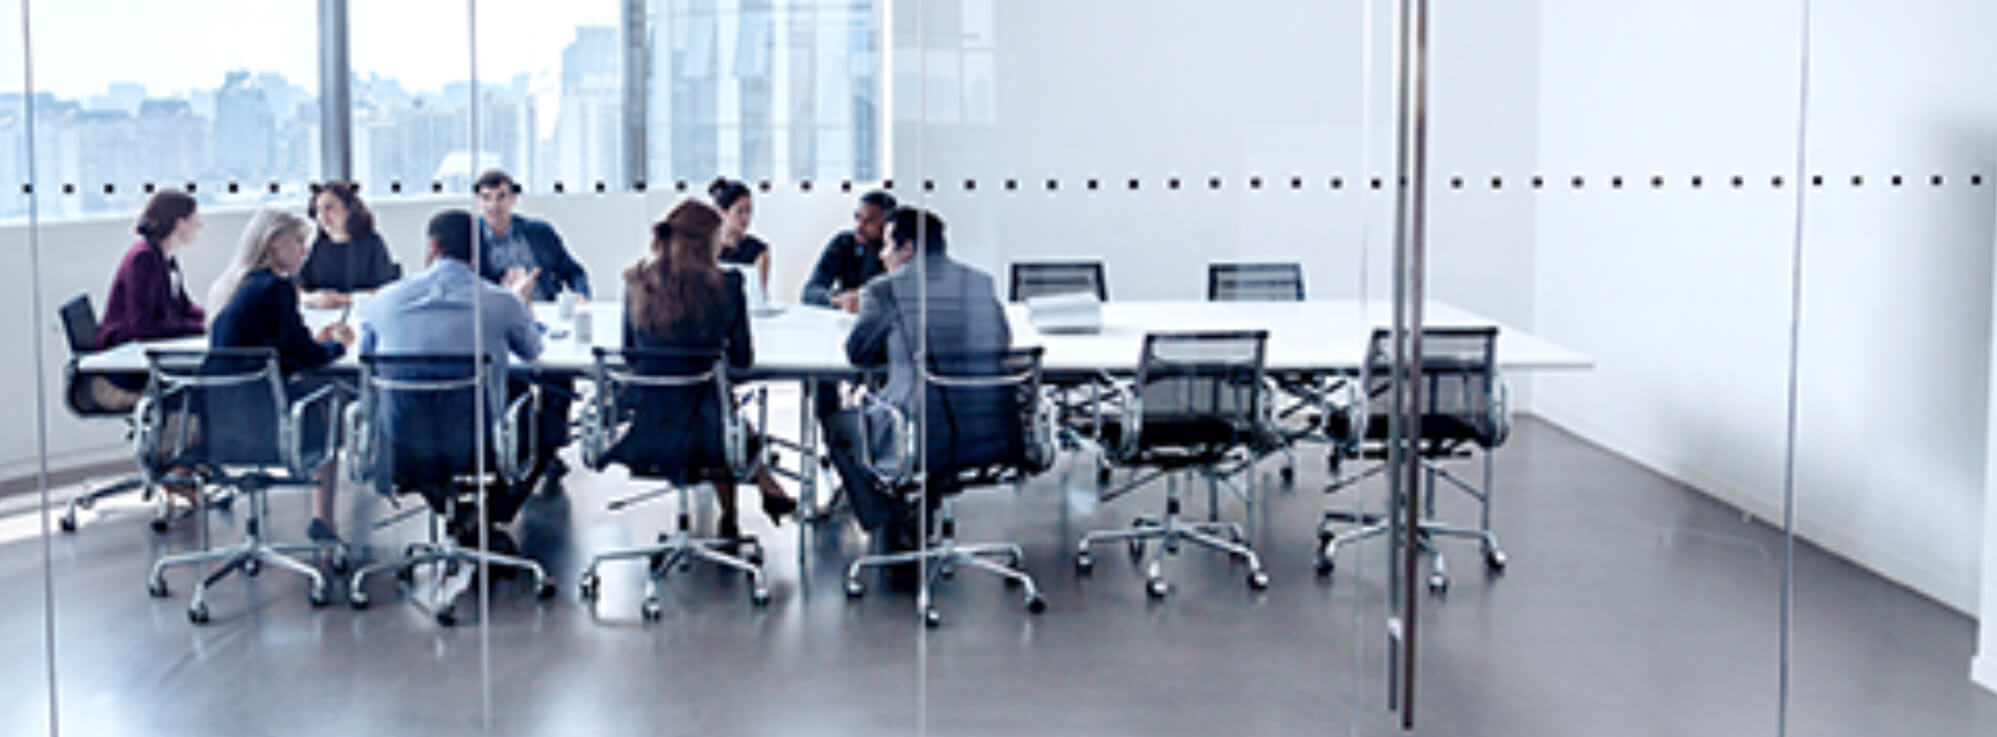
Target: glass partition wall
(1636, 477)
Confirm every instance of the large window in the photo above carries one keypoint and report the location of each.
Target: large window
(163, 98)
(765, 89)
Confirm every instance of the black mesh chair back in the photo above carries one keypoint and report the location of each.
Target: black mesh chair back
(671, 415)
(1459, 387)
(424, 431)
(980, 416)
(1038, 278)
(220, 407)
(79, 324)
(1200, 395)
(1255, 282)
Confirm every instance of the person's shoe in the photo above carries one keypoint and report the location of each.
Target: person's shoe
(319, 531)
(776, 507)
(557, 468)
(727, 529)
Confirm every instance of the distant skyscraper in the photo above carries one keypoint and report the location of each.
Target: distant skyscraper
(245, 129)
(588, 129)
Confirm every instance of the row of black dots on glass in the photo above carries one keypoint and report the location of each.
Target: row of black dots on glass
(1215, 183)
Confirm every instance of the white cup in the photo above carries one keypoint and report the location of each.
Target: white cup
(582, 327)
(565, 305)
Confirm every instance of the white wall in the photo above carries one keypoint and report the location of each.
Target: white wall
(1682, 296)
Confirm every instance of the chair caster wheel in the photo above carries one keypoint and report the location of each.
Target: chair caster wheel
(67, 523)
(1324, 566)
(587, 587)
(946, 572)
(1437, 584)
(447, 618)
(198, 613)
(930, 618)
(1157, 588)
(1084, 563)
(404, 574)
(339, 561)
(1102, 476)
(1258, 580)
(1036, 604)
(855, 589)
(759, 596)
(754, 555)
(158, 524)
(252, 567)
(545, 591)
(1289, 475)
(1136, 548)
(1494, 559)
(156, 587)
(650, 610)
(357, 599)
(316, 597)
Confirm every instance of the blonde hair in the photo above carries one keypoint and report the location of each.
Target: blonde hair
(253, 252)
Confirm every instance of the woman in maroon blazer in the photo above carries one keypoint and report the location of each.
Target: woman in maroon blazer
(148, 299)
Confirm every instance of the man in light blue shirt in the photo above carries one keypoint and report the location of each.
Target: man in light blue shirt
(443, 310)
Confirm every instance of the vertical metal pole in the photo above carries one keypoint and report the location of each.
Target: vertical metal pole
(41, 377)
(1795, 343)
(636, 45)
(1409, 263)
(336, 141)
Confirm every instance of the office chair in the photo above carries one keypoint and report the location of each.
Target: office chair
(1255, 282)
(985, 422)
(1197, 406)
(1036, 278)
(1465, 410)
(412, 431)
(647, 414)
(227, 408)
(79, 325)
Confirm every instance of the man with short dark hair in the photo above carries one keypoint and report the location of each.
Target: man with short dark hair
(513, 241)
(443, 310)
(851, 258)
(959, 310)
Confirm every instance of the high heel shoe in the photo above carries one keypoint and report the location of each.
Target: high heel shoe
(776, 507)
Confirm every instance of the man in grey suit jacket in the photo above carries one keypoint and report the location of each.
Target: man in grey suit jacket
(962, 315)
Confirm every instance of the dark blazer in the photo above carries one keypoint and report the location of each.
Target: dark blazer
(264, 313)
(558, 268)
(358, 264)
(846, 263)
(964, 316)
(148, 300)
(676, 433)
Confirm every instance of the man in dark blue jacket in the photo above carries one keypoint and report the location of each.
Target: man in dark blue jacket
(509, 244)
(510, 241)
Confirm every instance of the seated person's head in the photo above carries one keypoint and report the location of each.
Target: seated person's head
(912, 229)
(497, 193)
(450, 234)
(732, 198)
(870, 219)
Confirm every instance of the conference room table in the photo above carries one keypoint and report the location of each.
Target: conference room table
(807, 344)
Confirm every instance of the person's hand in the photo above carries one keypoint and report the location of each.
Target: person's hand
(848, 300)
(339, 332)
(520, 282)
(326, 299)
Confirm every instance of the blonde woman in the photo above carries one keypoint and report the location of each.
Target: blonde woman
(260, 310)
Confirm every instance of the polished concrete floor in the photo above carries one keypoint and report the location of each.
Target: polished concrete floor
(1632, 606)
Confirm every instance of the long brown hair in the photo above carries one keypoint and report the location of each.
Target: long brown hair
(680, 283)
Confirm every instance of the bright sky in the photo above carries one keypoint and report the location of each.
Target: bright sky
(80, 46)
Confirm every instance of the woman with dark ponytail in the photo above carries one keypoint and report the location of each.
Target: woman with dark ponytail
(732, 198)
(148, 300)
(679, 298)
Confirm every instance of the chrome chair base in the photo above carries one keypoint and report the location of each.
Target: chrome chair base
(1170, 532)
(678, 550)
(945, 556)
(248, 558)
(447, 558)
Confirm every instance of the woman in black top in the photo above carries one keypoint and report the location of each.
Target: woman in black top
(737, 246)
(261, 310)
(680, 300)
(348, 255)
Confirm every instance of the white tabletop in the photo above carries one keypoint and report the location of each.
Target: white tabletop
(1318, 335)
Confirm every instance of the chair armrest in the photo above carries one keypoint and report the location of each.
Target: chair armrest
(146, 429)
(598, 426)
(1124, 397)
(903, 432)
(294, 451)
(1501, 409)
(514, 460)
(360, 443)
